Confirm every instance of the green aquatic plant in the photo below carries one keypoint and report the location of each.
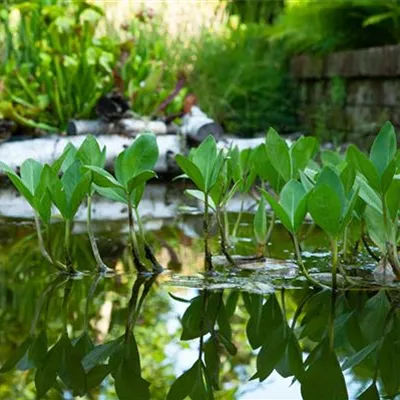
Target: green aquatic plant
(32, 184)
(203, 167)
(291, 210)
(380, 188)
(331, 208)
(133, 168)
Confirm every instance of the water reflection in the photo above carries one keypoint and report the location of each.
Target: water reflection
(134, 338)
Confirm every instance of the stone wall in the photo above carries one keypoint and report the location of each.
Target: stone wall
(349, 94)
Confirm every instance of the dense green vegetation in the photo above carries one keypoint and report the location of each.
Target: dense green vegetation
(353, 199)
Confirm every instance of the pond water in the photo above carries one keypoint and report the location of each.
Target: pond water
(260, 333)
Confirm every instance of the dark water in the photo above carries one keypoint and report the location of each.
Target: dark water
(130, 337)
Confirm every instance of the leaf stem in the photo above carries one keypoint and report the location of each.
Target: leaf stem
(222, 233)
(300, 263)
(207, 254)
(67, 246)
(96, 253)
(334, 262)
(133, 240)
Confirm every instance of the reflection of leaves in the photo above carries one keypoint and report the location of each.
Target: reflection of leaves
(360, 356)
(291, 363)
(17, 356)
(128, 374)
(373, 316)
(324, 378)
(191, 384)
(38, 350)
(370, 394)
(213, 362)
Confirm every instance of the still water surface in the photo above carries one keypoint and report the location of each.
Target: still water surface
(251, 334)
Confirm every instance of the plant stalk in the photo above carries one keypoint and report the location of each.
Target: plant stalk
(207, 254)
(67, 246)
(300, 263)
(96, 253)
(334, 262)
(239, 218)
(133, 240)
(222, 233)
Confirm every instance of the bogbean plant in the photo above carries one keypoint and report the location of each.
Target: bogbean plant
(76, 176)
(339, 193)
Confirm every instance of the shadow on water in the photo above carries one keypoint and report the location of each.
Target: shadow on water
(254, 333)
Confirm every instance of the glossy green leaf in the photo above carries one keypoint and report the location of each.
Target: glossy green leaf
(278, 210)
(115, 194)
(375, 227)
(192, 171)
(329, 176)
(384, 148)
(361, 163)
(139, 180)
(89, 153)
(31, 171)
(278, 154)
(294, 202)
(199, 195)
(17, 182)
(102, 178)
(325, 208)
(302, 151)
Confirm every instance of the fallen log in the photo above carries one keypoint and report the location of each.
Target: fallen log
(48, 149)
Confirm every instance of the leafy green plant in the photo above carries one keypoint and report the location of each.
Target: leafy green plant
(133, 168)
(203, 167)
(379, 188)
(331, 207)
(32, 184)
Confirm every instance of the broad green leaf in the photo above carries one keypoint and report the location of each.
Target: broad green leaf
(115, 194)
(324, 379)
(387, 177)
(31, 171)
(260, 222)
(278, 154)
(368, 194)
(393, 199)
(139, 179)
(17, 356)
(70, 157)
(184, 386)
(199, 195)
(102, 178)
(348, 212)
(306, 181)
(348, 176)
(279, 211)
(58, 163)
(325, 208)
(57, 192)
(192, 172)
(17, 182)
(216, 171)
(205, 157)
(376, 227)
(329, 157)
(79, 193)
(141, 155)
(329, 176)
(90, 153)
(265, 170)
(362, 164)
(384, 148)
(294, 202)
(301, 152)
